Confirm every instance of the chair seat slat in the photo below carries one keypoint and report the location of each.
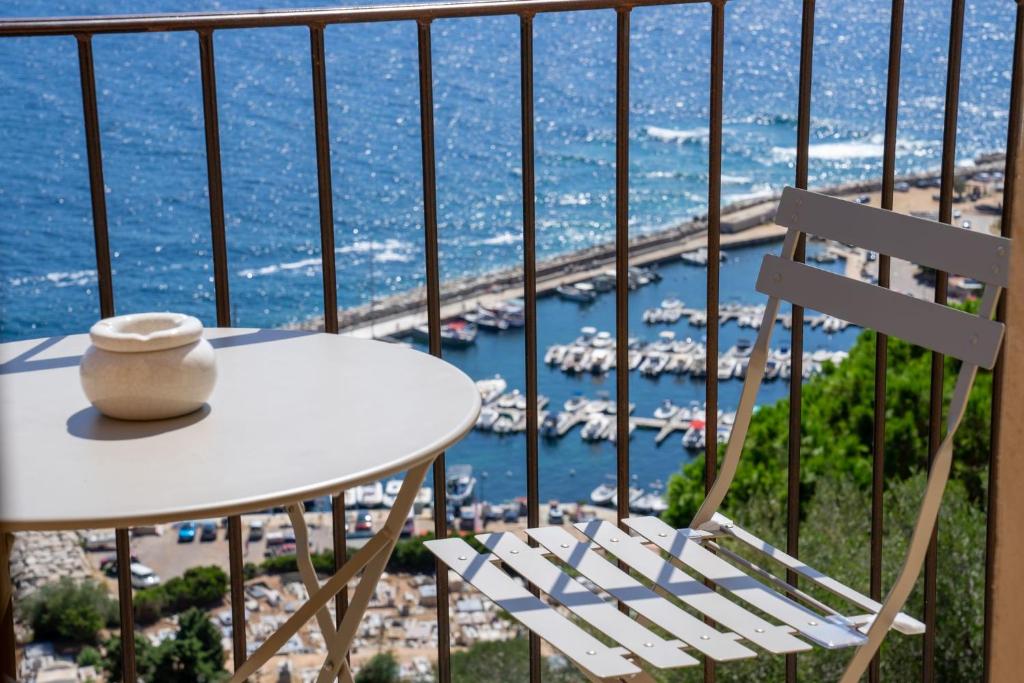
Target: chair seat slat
(940, 328)
(645, 602)
(579, 600)
(920, 240)
(581, 647)
(904, 623)
(690, 552)
(690, 591)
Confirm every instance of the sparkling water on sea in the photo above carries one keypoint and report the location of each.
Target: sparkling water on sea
(154, 161)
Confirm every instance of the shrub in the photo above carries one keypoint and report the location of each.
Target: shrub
(89, 656)
(382, 668)
(70, 611)
(197, 587)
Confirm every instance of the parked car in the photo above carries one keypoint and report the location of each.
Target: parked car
(255, 529)
(209, 532)
(109, 564)
(864, 199)
(467, 518)
(555, 514)
(187, 532)
(364, 522)
(511, 515)
(902, 186)
(143, 576)
(102, 540)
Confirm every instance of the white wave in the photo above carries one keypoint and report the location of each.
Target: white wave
(676, 135)
(832, 151)
(391, 256)
(736, 179)
(76, 278)
(501, 239)
(574, 199)
(759, 191)
(366, 246)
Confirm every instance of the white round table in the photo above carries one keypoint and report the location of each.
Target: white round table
(294, 415)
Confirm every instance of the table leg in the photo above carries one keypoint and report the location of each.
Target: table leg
(308, 574)
(372, 557)
(8, 644)
(338, 645)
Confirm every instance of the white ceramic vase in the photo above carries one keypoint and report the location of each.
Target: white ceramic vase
(148, 366)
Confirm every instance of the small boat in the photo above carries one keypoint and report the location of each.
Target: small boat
(726, 367)
(460, 484)
(549, 426)
(587, 334)
(666, 410)
(370, 495)
(601, 361)
(488, 416)
(509, 400)
(839, 356)
(491, 389)
(671, 302)
(555, 354)
(693, 439)
(699, 319)
(613, 432)
(605, 282)
(595, 427)
(575, 403)
(821, 355)
(634, 495)
(603, 494)
(666, 341)
(742, 349)
(486, 320)
(350, 498)
(457, 334)
(391, 490)
(654, 364)
(635, 359)
(424, 499)
(772, 369)
(504, 425)
(581, 292)
(602, 340)
(555, 514)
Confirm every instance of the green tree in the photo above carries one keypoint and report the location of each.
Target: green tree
(89, 656)
(502, 661)
(70, 611)
(112, 658)
(194, 655)
(382, 668)
(197, 587)
(837, 430)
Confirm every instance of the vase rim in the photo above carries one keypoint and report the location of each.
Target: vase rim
(141, 332)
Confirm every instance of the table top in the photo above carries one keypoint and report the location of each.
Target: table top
(294, 415)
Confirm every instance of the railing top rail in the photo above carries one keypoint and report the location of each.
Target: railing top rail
(208, 21)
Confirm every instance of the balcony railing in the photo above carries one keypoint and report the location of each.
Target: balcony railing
(206, 25)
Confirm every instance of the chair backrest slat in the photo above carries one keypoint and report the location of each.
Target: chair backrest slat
(933, 326)
(984, 257)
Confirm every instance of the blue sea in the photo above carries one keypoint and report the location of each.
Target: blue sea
(150, 109)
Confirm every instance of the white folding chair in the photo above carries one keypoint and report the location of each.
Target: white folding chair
(795, 621)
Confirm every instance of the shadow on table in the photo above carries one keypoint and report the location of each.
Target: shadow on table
(24, 362)
(90, 423)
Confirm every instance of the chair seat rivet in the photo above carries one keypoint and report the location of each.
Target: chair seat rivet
(812, 623)
(565, 545)
(514, 552)
(758, 630)
(705, 637)
(591, 652)
(613, 539)
(648, 644)
(1001, 251)
(777, 277)
(662, 534)
(462, 557)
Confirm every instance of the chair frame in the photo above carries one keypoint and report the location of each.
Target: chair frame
(975, 340)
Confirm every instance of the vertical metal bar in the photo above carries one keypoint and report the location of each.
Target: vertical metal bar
(530, 295)
(803, 135)
(237, 576)
(1013, 133)
(218, 238)
(213, 178)
(716, 89)
(96, 185)
(622, 260)
(323, 174)
(956, 32)
(318, 65)
(881, 340)
(433, 323)
(124, 599)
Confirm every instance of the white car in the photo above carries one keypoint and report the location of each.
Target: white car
(143, 576)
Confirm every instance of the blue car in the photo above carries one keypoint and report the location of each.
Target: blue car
(187, 532)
